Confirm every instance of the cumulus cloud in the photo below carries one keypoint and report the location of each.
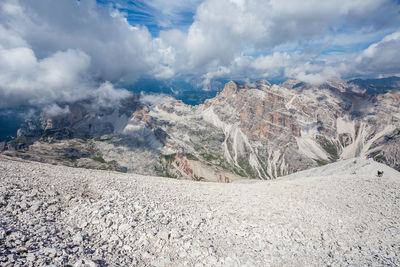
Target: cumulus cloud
(381, 57)
(43, 60)
(25, 79)
(106, 95)
(224, 30)
(55, 110)
(66, 50)
(118, 50)
(151, 99)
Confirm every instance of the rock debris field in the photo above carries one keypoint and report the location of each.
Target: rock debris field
(339, 214)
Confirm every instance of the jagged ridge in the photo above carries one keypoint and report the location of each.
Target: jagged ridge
(254, 130)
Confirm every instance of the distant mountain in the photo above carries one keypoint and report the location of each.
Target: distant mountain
(376, 86)
(190, 90)
(254, 130)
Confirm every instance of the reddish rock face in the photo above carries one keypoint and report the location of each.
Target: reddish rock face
(274, 101)
(263, 117)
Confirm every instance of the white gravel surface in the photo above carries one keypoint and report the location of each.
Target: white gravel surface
(344, 215)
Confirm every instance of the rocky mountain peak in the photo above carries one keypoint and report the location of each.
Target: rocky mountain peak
(263, 84)
(230, 88)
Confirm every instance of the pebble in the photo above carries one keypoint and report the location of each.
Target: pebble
(77, 239)
(146, 221)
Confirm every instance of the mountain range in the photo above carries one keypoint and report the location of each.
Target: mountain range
(249, 130)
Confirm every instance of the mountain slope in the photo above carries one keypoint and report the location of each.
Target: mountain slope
(250, 130)
(60, 215)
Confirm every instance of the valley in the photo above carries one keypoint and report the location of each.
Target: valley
(251, 130)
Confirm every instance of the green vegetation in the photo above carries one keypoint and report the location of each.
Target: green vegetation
(329, 146)
(191, 157)
(374, 145)
(199, 178)
(208, 157)
(101, 138)
(321, 162)
(248, 170)
(376, 155)
(239, 172)
(99, 159)
(170, 157)
(72, 158)
(169, 175)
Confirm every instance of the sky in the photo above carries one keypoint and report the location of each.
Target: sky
(67, 50)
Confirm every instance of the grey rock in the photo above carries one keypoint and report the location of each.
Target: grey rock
(77, 239)
(85, 263)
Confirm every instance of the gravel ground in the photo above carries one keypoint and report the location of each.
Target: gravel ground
(69, 216)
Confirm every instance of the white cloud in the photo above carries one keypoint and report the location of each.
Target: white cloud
(61, 77)
(108, 96)
(274, 64)
(66, 50)
(118, 50)
(380, 58)
(24, 79)
(151, 99)
(172, 11)
(55, 110)
(224, 30)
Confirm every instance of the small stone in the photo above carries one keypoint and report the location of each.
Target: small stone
(163, 235)
(2, 233)
(11, 257)
(126, 247)
(51, 252)
(85, 263)
(114, 237)
(52, 193)
(183, 254)
(53, 208)
(77, 239)
(23, 249)
(30, 257)
(211, 260)
(35, 208)
(108, 223)
(147, 255)
(82, 224)
(174, 234)
(124, 227)
(23, 205)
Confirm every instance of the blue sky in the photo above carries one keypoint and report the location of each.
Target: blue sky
(66, 49)
(154, 15)
(345, 37)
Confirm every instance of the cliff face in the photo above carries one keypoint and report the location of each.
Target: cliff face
(255, 130)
